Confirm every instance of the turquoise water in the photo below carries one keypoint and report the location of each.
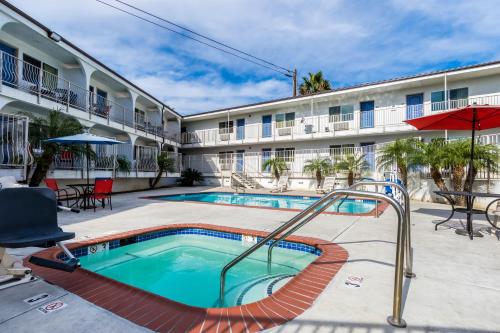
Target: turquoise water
(352, 206)
(186, 268)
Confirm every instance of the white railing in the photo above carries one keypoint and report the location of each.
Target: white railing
(16, 73)
(251, 163)
(14, 152)
(382, 119)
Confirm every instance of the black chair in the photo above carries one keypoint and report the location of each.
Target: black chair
(29, 218)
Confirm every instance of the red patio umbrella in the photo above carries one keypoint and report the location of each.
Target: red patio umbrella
(472, 117)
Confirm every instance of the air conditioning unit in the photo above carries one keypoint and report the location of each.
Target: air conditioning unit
(225, 137)
(340, 126)
(284, 131)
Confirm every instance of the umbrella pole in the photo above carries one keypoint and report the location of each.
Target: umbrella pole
(471, 173)
(87, 199)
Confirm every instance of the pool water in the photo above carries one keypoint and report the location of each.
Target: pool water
(186, 268)
(350, 206)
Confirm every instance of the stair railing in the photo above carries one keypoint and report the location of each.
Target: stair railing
(323, 204)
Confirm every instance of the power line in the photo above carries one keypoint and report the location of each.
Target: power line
(287, 73)
(203, 36)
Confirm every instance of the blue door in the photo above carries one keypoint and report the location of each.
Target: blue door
(414, 106)
(240, 161)
(9, 68)
(240, 129)
(367, 114)
(267, 130)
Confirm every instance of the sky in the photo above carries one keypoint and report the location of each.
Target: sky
(350, 41)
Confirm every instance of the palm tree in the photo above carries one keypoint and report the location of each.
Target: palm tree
(486, 156)
(318, 167)
(165, 164)
(189, 176)
(432, 154)
(56, 124)
(399, 153)
(315, 83)
(352, 163)
(457, 157)
(277, 166)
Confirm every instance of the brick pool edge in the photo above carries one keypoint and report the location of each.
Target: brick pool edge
(161, 314)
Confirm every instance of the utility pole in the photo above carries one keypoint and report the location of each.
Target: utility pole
(294, 79)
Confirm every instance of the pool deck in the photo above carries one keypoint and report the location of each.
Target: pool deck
(457, 288)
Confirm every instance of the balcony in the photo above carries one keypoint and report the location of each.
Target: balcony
(142, 161)
(20, 75)
(378, 121)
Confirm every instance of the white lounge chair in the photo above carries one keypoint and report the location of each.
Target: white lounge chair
(282, 185)
(328, 185)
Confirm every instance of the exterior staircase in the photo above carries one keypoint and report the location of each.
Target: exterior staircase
(242, 180)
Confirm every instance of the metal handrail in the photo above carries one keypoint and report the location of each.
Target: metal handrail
(329, 199)
(409, 254)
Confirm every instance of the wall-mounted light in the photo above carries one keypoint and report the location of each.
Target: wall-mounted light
(55, 36)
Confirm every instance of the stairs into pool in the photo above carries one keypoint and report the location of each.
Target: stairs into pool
(244, 180)
(265, 285)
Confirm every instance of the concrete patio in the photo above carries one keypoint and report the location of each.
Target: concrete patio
(456, 289)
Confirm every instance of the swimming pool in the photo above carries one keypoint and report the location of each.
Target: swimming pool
(289, 202)
(185, 265)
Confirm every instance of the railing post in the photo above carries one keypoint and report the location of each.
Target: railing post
(91, 102)
(68, 94)
(39, 85)
(1, 70)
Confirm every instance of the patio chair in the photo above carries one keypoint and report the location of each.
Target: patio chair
(22, 227)
(282, 185)
(61, 193)
(496, 219)
(102, 190)
(328, 185)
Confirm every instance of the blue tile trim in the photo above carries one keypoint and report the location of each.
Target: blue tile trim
(113, 244)
(280, 196)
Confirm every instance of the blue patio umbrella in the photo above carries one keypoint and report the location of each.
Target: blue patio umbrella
(85, 139)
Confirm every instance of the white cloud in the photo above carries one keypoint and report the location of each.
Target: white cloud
(351, 41)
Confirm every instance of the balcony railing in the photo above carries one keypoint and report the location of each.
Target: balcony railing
(18, 74)
(382, 119)
(14, 152)
(140, 159)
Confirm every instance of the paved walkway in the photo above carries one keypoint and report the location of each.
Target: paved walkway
(457, 288)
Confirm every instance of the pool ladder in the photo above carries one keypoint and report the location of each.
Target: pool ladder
(295, 223)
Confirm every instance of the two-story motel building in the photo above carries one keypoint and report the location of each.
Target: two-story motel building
(41, 71)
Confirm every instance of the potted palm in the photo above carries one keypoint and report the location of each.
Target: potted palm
(277, 165)
(353, 164)
(399, 153)
(318, 167)
(56, 124)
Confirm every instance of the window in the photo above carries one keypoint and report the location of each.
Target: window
(285, 120)
(225, 159)
(31, 69)
(49, 77)
(458, 98)
(140, 117)
(338, 151)
(287, 154)
(341, 113)
(226, 127)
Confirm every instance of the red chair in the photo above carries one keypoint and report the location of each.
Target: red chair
(102, 191)
(61, 193)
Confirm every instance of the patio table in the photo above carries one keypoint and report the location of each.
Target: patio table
(470, 197)
(82, 191)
